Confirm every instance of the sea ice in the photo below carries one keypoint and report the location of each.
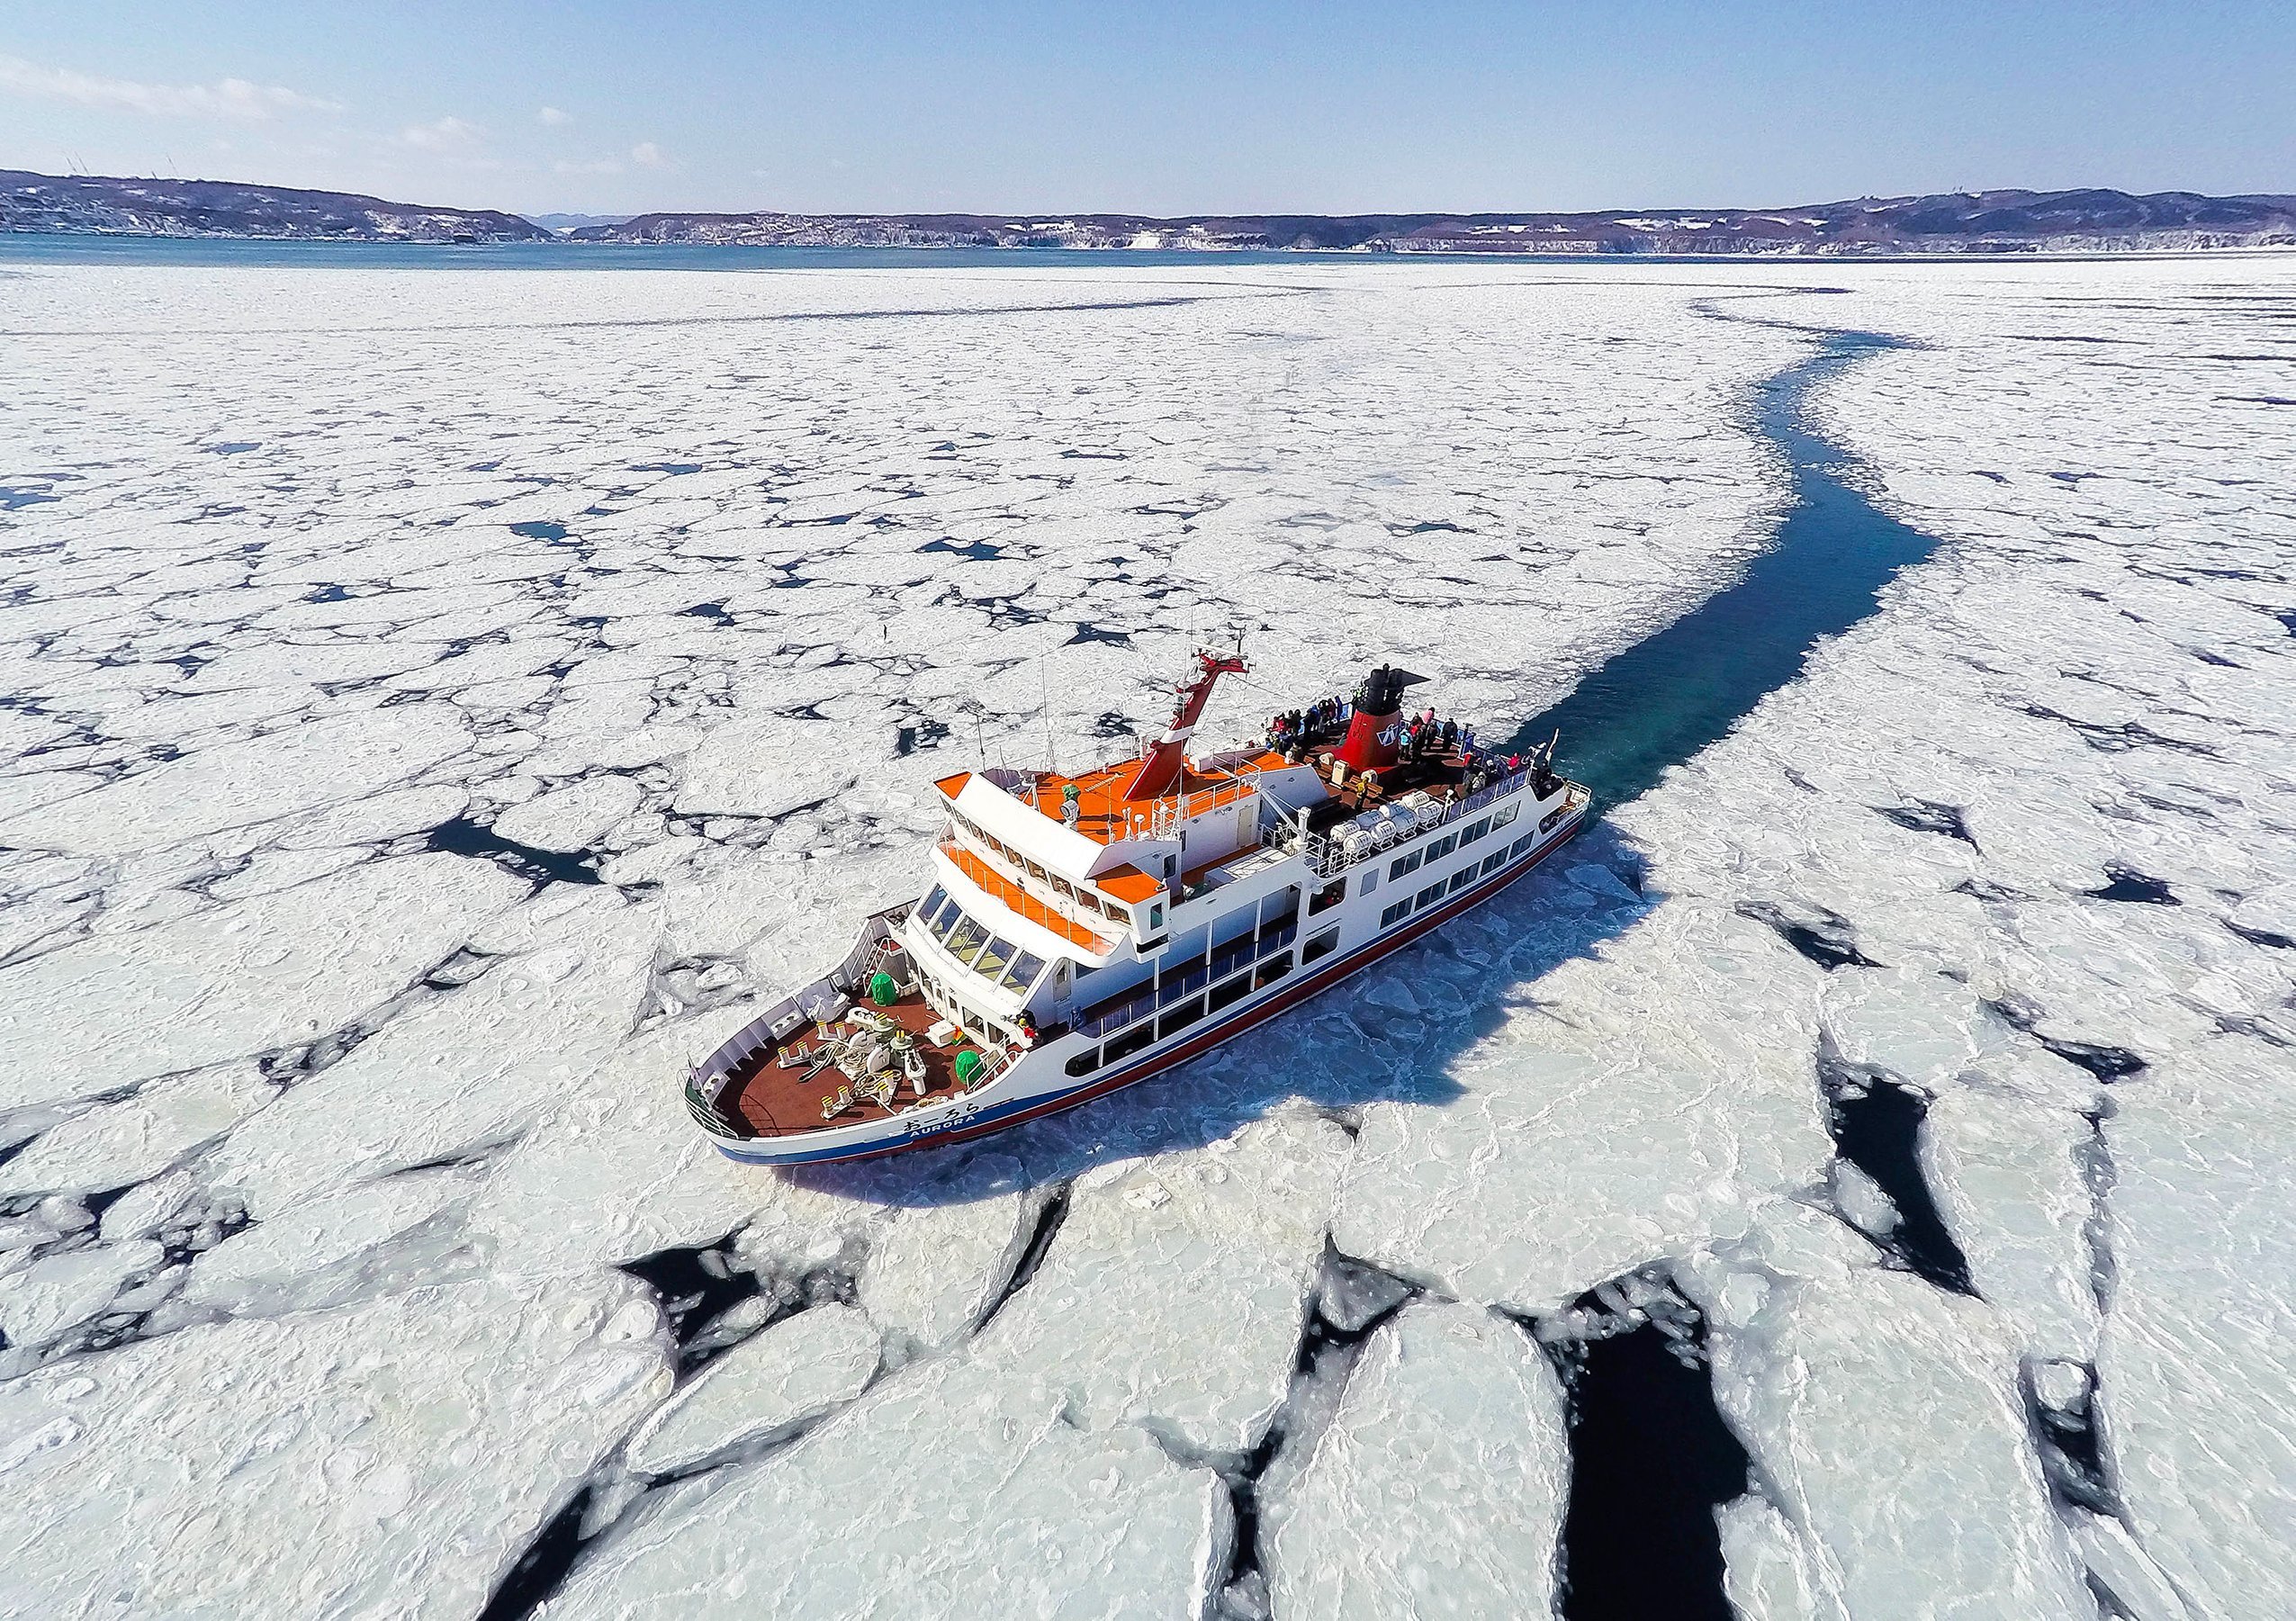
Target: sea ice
(338, 1472)
(40, 1300)
(1203, 1264)
(2012, 1184)
(1877, 1406)
(770, 1383)
(332, 1114)
(1437, 1487)
(2196, 1366)
(956, 1487)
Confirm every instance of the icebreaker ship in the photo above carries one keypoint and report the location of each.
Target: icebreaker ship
(1085, 932)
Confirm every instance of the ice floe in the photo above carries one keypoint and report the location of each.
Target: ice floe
(1438, 1485)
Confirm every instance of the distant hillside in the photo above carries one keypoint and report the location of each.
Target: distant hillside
(112, 205)
(576, 222)
(1960, 222)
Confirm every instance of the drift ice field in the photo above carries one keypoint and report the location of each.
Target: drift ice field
(1850, 1183)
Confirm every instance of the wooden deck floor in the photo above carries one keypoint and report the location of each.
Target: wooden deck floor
(776, 1101)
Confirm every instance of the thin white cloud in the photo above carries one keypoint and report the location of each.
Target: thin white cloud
(443, 135)
(647, 156)
(239, 99)
(604, 166)
(554, 117)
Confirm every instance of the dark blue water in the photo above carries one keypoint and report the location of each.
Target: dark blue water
(1663, 699)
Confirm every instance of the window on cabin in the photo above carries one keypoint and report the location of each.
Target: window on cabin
(1227, 993)
(1328, 896)
(1462, 878)
(1521, 844)
(1496, 859)
(1321, 945)
(1140, 1035)
(1443, 847)
(1402, 866)
(994, 958)
(1273, 969)
(1180, 1017)
(1024, 972)
(1371, 882)
(1504, 815)
(1395, 914)
(1084, 1062)
(1429, 895)
(1473, 831)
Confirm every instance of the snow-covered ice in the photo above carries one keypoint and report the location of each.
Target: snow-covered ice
(442, 702)
(1437, 1488)
(770, 1383)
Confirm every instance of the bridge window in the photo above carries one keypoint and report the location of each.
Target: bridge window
(994, 958)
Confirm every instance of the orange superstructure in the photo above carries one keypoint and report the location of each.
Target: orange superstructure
(1106, 817)
(1019, 901)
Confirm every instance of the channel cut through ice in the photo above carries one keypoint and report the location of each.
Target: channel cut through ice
(441, 702)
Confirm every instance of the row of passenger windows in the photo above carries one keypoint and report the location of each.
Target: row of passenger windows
(996, 961)
(1459, 880)
(1146, 1032)
(1443, 846)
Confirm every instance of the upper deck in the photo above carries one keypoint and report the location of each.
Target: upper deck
(1106, 817)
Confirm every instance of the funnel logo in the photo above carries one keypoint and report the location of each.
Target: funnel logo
(1392, 736)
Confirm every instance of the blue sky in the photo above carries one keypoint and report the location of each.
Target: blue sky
(1174, 108)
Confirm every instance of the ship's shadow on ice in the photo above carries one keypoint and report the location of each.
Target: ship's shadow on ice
(1390, 1034)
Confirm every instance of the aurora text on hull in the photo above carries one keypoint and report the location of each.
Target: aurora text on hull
(1085, 932)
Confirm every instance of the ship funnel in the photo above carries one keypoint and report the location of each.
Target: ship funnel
(1375, 734)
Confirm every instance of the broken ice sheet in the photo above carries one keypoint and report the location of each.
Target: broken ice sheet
(957, 1486)
(1524, 468)
(390, 1458)
(1438, 1485)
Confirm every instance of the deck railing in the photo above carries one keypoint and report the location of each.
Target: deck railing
(1244, 781)
(1327, 857)
(739, 1055)
(1017, 896)
(1103, 1018)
